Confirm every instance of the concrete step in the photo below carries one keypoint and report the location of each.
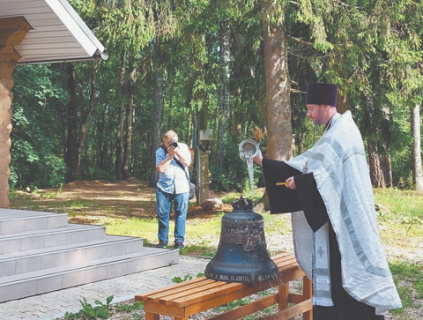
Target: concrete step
(73, 254)
(38, 239)
(40, 252)
(18, 221)
(51, 279)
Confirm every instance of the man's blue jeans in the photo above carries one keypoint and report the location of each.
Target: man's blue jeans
(164, 203)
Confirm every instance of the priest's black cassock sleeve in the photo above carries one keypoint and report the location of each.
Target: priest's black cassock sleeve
(281, 199)
(306, 197)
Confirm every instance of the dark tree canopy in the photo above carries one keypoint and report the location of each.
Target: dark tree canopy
(225, 65)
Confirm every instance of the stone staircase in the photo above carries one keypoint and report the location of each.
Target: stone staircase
(41, 252)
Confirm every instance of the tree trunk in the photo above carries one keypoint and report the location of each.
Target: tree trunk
(203, 112)
(157, 122)
(416, 151)
(72, 140)
(300, 141)
(386, 150)
(369, 123)
(169, 119)
(128, 140)
(376, 174)
(129, 121)
(121, 118)
(278, 90)
(224, 103)
(102, 143)
(278, 108)
(119, 142)
(386, 167)
(85, 119)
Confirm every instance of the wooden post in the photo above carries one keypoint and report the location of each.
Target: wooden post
(7, 66)
(12, 32)
(307, 294)
(283, 291)
(151, 316)
(205, 179)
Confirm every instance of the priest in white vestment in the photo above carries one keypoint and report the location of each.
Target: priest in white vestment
(329, 193)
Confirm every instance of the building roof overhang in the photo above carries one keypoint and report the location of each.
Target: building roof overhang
(56, 34)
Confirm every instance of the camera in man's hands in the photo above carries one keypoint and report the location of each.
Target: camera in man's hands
(173, 143)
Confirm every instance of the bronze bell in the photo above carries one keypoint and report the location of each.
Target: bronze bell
(241, 255)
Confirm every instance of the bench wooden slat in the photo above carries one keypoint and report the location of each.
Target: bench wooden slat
(283, 262)
(290, 312)
(291, 275)
(180, 290)
(215, 285)
(247, 309)
(224, 290)
(286, 265)
(171, 311)
(222, 299)
(208, 294)
(141, 297)
(283, 256)
(283, 259)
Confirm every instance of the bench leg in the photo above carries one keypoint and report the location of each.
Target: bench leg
(283, 291)
(151, 316)
(307, 294)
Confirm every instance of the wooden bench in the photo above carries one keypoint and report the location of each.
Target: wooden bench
(194, 296)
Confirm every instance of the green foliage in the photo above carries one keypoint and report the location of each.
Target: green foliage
(36, 150)
(202, 248)
(221, 181)
(229, 197)
(179, 279)
(185, 278)
(409, 279)
(137, 305)
(235, 304)
(88, 311)
(401, 203)
(75, 204)
(146, 228)
(235, 177)
(208, 254)
(371, 49)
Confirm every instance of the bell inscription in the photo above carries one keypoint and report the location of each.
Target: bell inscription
(248, 234)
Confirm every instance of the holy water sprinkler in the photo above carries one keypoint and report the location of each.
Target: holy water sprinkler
(248, 149)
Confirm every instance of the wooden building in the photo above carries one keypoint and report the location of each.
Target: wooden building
(36, 31)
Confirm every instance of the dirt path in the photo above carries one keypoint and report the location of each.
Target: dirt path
(129, 198)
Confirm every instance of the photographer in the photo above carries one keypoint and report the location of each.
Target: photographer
(172, 161)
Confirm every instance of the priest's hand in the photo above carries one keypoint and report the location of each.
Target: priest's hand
(290, 183)
(259, 158)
